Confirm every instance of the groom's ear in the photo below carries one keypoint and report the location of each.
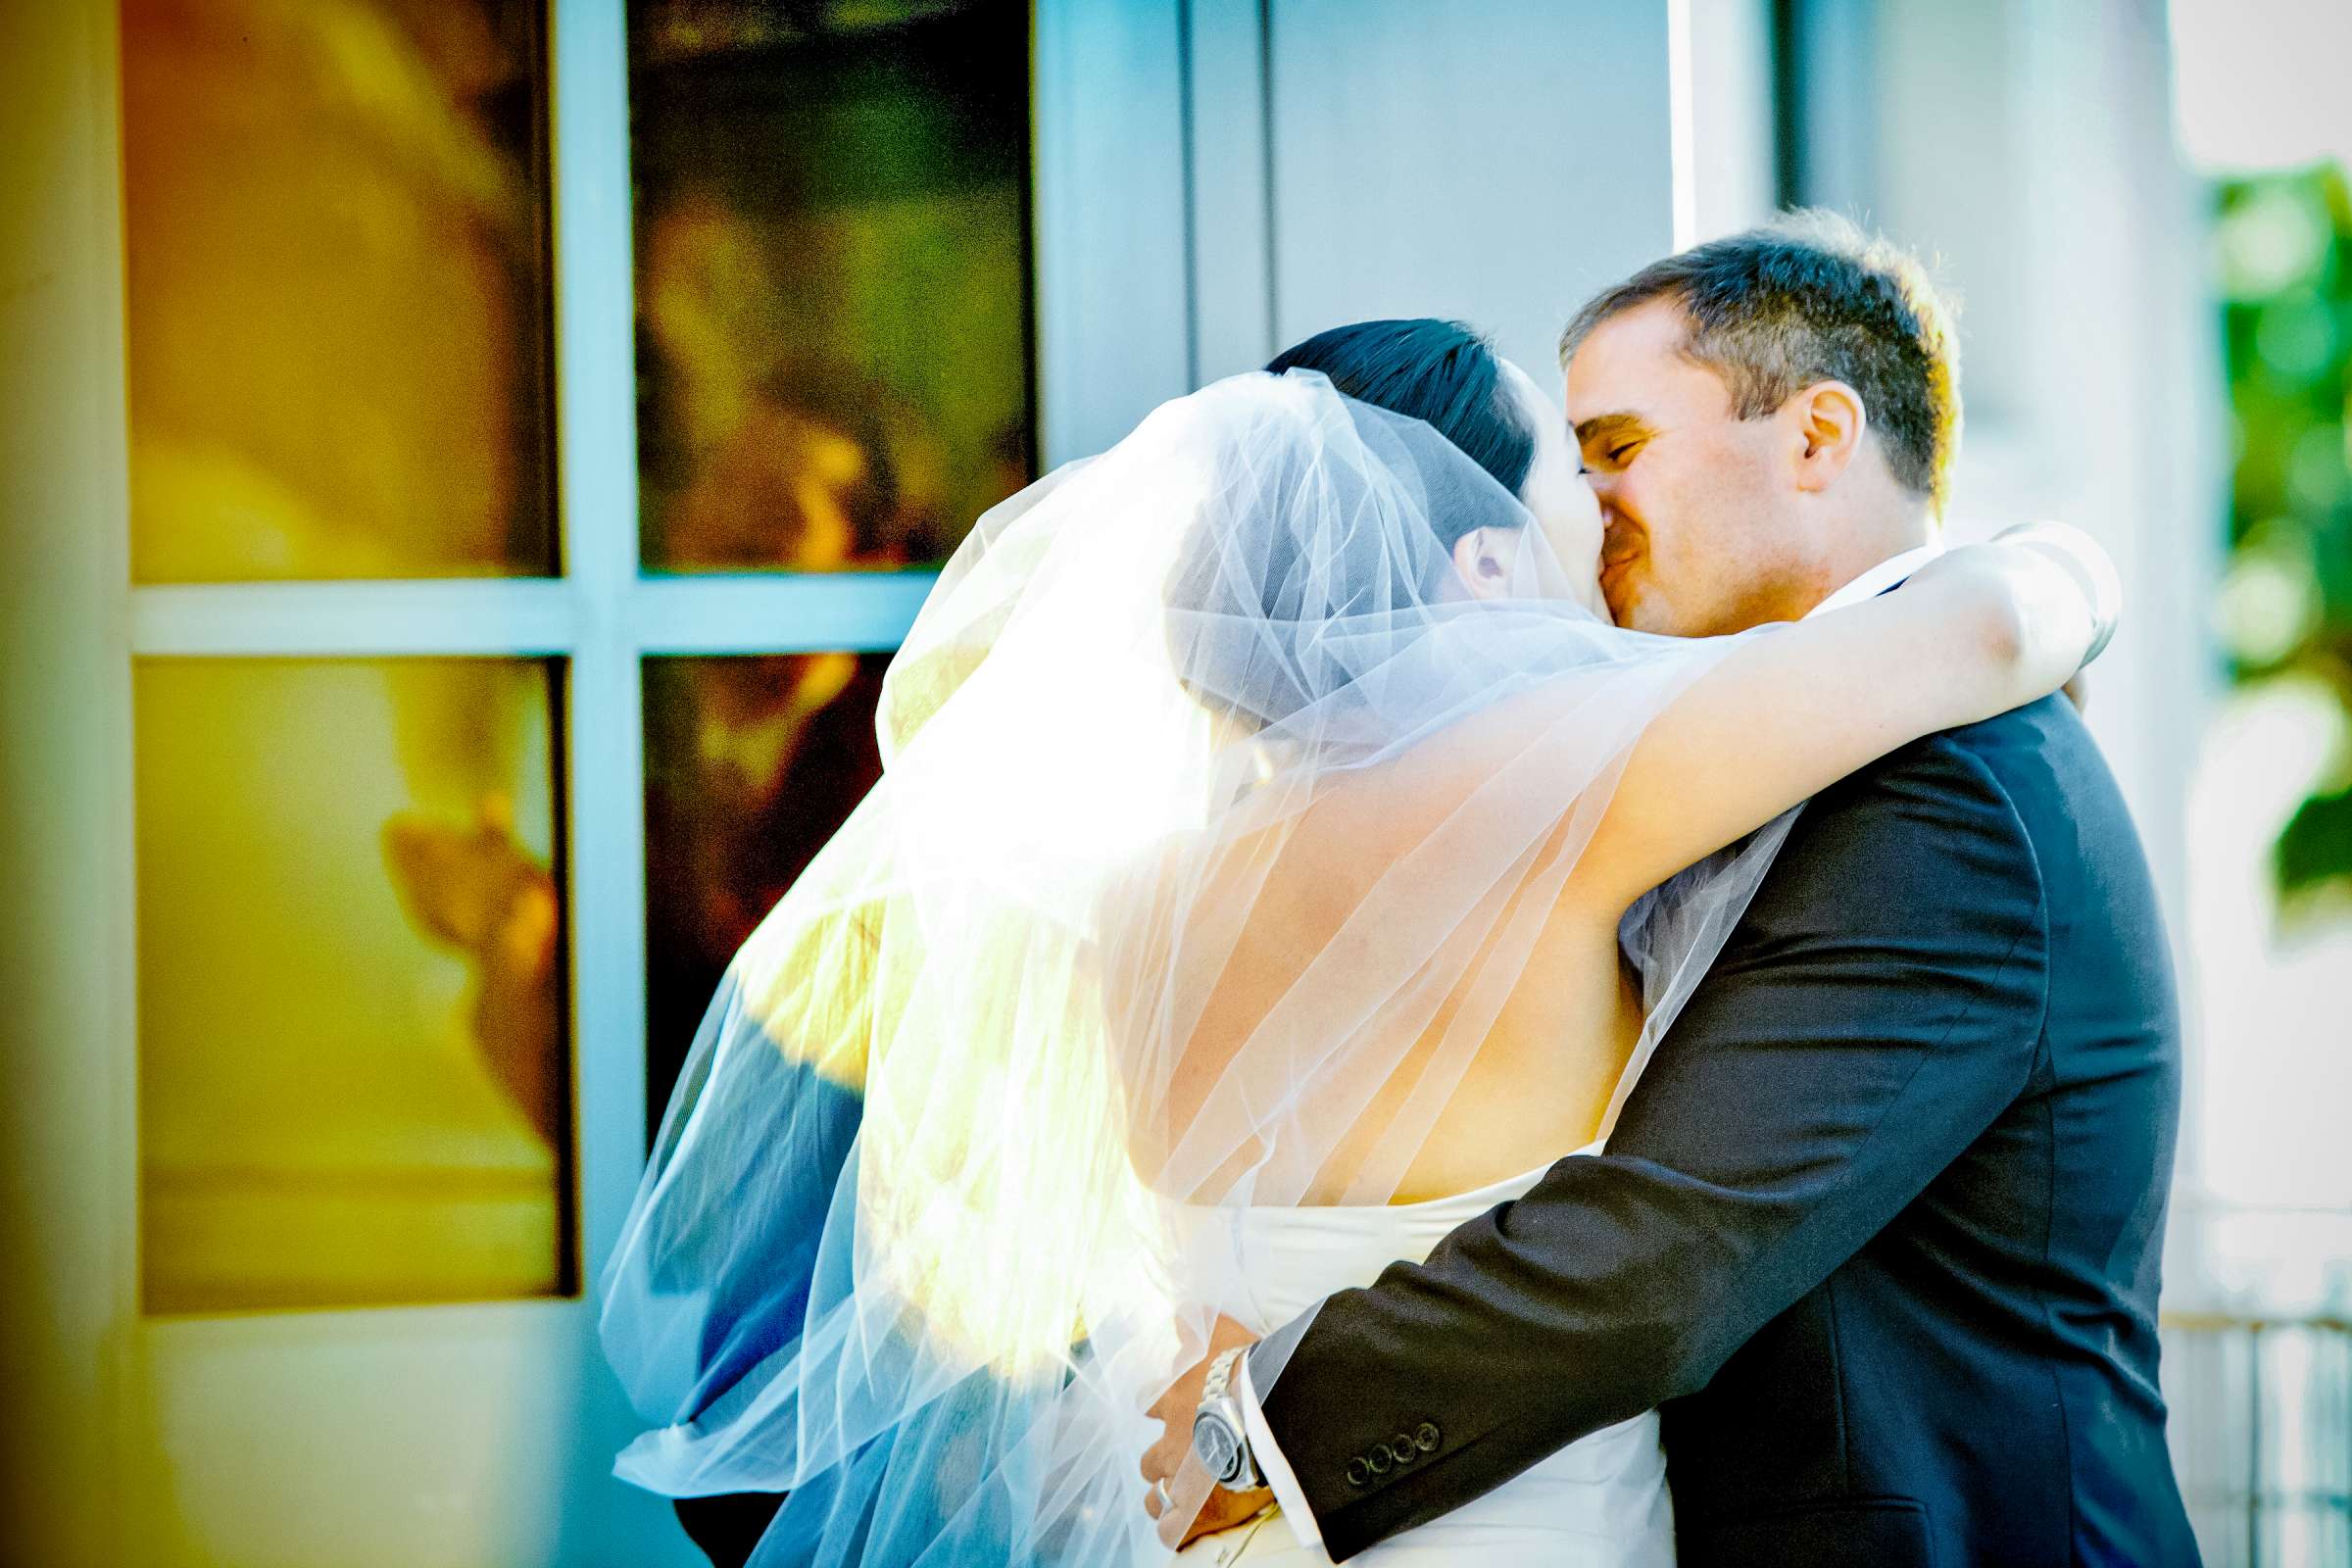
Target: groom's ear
(1827, 432)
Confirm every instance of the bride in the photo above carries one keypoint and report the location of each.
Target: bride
(1278, 862)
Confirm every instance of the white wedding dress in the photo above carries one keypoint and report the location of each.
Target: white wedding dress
(1599, 1503)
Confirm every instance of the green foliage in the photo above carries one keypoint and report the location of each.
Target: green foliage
(2317, 844)
(2285, 263)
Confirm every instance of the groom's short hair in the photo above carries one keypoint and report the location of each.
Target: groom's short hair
(1809, 297)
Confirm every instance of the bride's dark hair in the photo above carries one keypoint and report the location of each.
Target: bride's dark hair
(1304, 559)
(1440, 372)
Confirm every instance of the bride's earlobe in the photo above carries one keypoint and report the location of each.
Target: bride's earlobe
(1479, 565)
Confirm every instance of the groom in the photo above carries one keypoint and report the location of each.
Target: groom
(1879, 1230)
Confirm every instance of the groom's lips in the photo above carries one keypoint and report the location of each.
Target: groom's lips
(1620, 547)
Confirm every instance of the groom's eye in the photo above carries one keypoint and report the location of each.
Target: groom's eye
(1609, 441)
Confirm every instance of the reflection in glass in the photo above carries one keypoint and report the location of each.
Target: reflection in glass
(353, 1063)
(832, 278)
(336, 260)
(750, 764)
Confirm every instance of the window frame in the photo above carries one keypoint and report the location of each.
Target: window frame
(597, 620)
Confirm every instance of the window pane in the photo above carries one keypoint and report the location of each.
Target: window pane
(750, 764)
(832, 228)
(335, 224)
(353, 1058)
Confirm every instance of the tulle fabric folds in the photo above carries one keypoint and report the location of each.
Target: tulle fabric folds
(917, 1241)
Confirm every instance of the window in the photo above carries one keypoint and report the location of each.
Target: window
(353, 1058)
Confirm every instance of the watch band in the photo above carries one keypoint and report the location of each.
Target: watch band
(1220, 1408)
(1220, 1375)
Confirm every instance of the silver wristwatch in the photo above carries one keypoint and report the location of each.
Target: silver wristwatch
(1218, 1435)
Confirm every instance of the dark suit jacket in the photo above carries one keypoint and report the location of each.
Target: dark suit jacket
(1877, 1232)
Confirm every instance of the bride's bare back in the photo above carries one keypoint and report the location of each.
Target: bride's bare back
(1538, 1078)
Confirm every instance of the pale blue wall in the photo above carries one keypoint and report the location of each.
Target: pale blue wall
(1219, 178)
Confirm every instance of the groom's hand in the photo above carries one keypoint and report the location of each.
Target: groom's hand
(1171, 1459)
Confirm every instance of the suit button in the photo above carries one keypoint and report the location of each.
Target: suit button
(1402, 1448)
(1380, 1458)
(1425, 1436)
(1358, 1472)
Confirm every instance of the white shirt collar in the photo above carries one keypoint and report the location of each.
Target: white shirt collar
(1879, 578)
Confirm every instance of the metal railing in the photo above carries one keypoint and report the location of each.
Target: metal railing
(2262, 1435)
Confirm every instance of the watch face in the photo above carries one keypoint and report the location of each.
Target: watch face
(1218, 1446)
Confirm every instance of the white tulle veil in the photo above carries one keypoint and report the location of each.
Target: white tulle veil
(919, 1239)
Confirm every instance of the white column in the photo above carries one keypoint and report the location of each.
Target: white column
(67, 1138)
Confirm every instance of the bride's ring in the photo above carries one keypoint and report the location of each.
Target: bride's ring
(1160, 1490)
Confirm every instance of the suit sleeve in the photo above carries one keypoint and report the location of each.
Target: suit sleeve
(1875, 1010)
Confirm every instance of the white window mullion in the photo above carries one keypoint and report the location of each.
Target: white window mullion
(1115, 337)
(778, 612)
(597, 441)
(504, 615)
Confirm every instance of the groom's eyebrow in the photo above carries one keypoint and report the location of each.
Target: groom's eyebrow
(1602, 426)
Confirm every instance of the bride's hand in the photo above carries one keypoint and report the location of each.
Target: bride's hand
(2044, 597)
(2086, 561)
